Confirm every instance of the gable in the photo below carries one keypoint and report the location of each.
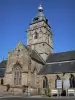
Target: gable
(20, 48)
(23, 50)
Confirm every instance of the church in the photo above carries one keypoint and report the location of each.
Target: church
(34, 65)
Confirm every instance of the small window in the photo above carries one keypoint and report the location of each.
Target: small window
(1, 81)
(43, 44)
(72, 81)
(36, 35)
(45, 82)
(57, 78)
(18, 50)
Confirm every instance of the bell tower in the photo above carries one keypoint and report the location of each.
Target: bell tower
(39, 35)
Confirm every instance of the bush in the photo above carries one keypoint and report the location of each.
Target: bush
(48, 92)
(8, 87)
(39, 91)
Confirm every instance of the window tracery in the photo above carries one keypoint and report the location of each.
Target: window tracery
(17, 74)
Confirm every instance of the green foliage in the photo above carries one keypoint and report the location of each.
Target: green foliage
(47, 92)
(39, 91)
(8, 87)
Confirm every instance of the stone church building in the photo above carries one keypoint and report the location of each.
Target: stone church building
(35, 65)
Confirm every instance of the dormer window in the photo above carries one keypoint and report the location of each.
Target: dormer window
(36, 35)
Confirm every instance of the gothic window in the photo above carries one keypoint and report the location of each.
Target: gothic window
(17, 74)
(57, 78)
(72, 81)
(1, 81)
(36, 35)
(45, 82)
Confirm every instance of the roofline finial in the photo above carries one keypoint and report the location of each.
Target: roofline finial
(40, 7)
(41, 3)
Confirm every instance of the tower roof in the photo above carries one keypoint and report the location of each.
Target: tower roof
(40, 16)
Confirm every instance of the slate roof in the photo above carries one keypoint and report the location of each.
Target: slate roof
(66, 67)
(3, 64)
(35, 55)
(2, 68)
(2, 71)
(59, 63)
(40, 17)
(62, 56)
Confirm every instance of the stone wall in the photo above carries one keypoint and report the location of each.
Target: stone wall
(51, 79)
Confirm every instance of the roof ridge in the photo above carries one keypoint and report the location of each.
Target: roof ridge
(63, 52)
(39, 56)
(62, 56)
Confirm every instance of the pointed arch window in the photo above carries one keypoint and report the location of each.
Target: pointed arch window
(45, 82)
(57, 78)
(17, 74)
(72, 81)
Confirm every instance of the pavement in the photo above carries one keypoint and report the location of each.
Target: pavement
(37, 97)
(32, 98)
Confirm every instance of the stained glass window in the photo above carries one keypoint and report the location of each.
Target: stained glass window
(17, 74)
